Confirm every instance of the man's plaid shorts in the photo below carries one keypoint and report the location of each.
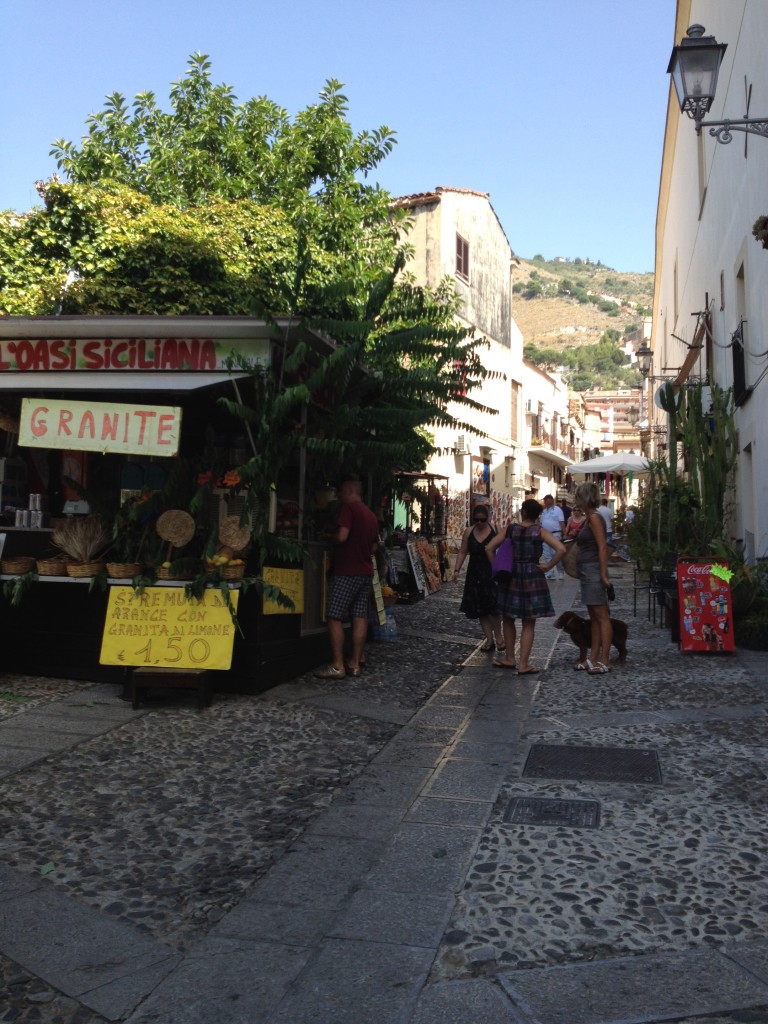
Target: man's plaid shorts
(348, 597)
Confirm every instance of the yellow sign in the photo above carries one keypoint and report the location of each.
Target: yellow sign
(162, 629)
(291, 582)
(99, 426)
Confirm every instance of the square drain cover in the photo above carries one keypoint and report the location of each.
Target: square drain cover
(601, 764)
(529, 810)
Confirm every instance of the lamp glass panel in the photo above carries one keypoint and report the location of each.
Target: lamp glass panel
(695, 71)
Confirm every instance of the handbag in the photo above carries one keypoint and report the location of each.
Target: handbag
(568, 561)
(503, 561)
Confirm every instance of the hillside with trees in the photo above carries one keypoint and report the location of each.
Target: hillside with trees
(576, 315)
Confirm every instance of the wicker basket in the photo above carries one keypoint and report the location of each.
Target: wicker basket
(51, 567)
(165, 574)
(17, 566)
(123, 570)
(81, 570)
(232, 572)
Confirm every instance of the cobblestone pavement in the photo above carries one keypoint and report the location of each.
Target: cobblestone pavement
(168, 820)
(672, 866)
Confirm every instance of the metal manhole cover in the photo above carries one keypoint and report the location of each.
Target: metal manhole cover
(528, 810)
(601, 764)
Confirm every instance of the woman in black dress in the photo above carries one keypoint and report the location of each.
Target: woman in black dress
(479, 598)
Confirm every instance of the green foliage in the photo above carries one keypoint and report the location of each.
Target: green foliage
(209, 145)
(689, 514)
(216, 207)
(603, 365)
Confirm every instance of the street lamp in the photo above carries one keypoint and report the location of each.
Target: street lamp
(694, 66)
(644, 360)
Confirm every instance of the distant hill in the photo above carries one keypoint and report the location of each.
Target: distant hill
(567, 304)
(577, 317)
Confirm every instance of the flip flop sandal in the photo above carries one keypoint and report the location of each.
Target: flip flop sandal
(354, 672)
(487, 646)
(502, 664)
(598, 669)
(330, 672)
(529, 672)
(580, 666)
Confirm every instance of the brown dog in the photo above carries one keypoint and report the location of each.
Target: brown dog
(580, 631)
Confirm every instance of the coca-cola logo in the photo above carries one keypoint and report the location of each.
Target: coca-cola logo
(699, 570)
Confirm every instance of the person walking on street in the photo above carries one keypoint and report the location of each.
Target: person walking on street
(604, 509)
(563, 504)
(527, 597)
(354, 544)
(479, 598)
(553, 520)
(574, 524)
(592, 561)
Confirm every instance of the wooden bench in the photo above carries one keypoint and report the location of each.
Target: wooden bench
(143, 679)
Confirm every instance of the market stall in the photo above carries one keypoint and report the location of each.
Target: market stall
(417, 556)
(121, 418)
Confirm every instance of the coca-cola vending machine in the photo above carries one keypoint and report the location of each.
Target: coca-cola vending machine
(706, 614)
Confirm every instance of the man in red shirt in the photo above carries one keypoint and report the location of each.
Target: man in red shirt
(354, 542)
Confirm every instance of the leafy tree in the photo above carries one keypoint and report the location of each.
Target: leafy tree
(217, 207)
(208, 145)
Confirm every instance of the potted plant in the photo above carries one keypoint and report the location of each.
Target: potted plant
(130, 528)
(83, 540)
(760, 231)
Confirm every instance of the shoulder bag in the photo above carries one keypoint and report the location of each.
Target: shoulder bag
(568, 561)
(503, 561)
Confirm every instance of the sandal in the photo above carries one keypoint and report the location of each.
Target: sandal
(597, 669)
(487, 646)
(330, 672)
(354, 672)
(581, 666)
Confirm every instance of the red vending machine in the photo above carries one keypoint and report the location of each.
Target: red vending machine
(706, 615)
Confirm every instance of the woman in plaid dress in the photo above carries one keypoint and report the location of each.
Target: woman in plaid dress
(527, 596)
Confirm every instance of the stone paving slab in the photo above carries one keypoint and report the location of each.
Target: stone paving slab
(468, 780)
(15, 734)
(634, 990)
(445, 811)
(359, 820)
(464, 1002)
(752, 955)
(411, 755)
(79, 950)
(14, 883)
(352, 982)
(410, 919)
(14, 758)
(424, 858)
(225, 982)
(316, 864)
(385, 785)
(54, 720)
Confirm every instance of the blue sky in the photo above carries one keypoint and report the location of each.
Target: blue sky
(554, 107)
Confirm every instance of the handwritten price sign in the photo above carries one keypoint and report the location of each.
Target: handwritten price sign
(161, 628)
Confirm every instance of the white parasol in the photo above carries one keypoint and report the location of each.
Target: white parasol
(615, 462)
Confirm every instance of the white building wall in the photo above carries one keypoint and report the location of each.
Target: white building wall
(710, 196)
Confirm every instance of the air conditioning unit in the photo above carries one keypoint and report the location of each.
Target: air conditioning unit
(529, 405)
(462, 447)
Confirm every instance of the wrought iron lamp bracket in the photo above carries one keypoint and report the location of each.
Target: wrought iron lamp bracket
(723, 130)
